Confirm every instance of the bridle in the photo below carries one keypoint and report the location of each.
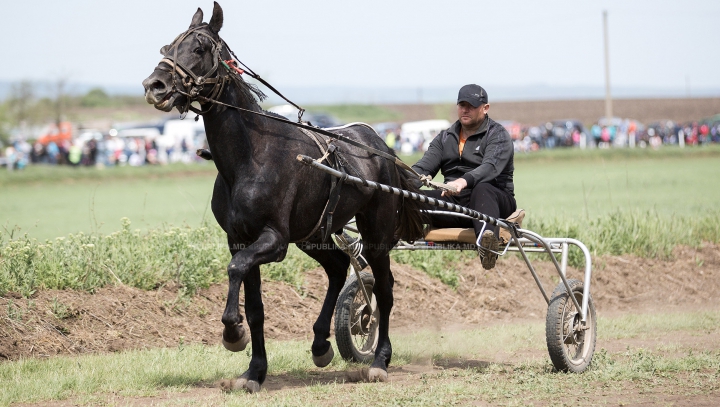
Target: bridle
(193, 85)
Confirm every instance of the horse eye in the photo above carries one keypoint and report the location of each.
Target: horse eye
(198, 50)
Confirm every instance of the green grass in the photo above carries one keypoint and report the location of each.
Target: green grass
(190, 258)
(94, 200)
(568, 185)
(45, 174)
(587, 185)
(465, 378)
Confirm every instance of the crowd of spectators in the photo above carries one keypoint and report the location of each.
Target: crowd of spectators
(96, 150)
(572, 133)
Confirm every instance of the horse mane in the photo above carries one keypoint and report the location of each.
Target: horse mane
(248, 91)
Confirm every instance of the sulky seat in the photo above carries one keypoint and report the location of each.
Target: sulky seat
(467, 235)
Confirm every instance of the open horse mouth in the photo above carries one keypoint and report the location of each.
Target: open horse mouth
(165, 104)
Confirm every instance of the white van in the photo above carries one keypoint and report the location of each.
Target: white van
(418, 135)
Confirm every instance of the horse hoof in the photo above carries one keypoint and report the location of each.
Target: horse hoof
(251, 386)
(239, 345)
(204, 154)
(324, 360)
(375, 374)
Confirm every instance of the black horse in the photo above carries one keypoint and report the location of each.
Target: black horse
(265, 199)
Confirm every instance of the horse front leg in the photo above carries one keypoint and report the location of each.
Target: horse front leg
(234, 337)
(245, 267)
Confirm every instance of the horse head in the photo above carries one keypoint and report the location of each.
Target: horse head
(190, 65)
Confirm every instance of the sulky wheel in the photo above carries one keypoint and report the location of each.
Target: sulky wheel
(571, 345)
(356, 322)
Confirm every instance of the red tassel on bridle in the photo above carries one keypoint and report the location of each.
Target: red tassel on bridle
(231, 64)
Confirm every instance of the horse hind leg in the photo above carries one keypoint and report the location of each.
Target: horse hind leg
(377, 231)
(383, 293)
(335, 263)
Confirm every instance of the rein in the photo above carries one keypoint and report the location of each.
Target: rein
(193, 86)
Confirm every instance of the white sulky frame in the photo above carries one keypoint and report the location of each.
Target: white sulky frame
(529, 242)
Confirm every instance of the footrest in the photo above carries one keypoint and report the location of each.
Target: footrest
(515, 217)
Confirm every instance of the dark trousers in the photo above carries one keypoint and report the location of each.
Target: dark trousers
(484, 198)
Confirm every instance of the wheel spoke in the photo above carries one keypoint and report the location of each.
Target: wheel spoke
(360, 337)
(574, 341)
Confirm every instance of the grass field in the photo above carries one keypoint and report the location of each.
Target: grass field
(588, 184)
(48, 202)
(568, 184)
(469, 374)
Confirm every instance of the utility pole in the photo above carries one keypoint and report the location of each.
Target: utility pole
(608, 97)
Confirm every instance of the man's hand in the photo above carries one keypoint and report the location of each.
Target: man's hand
(459, 184)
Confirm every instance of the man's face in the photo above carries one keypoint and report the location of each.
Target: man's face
(471, 116)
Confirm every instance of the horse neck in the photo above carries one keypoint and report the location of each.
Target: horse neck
(231, 133)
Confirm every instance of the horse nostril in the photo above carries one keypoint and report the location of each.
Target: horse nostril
(157, 86)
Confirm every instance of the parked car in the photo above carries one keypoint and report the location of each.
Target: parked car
(319, 119)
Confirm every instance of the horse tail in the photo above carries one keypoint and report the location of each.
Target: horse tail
(411, 225)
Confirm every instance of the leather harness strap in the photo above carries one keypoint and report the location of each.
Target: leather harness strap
(336, 161)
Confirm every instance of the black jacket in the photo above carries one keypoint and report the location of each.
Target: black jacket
(487, 156)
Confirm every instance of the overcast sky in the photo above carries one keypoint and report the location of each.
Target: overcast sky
(413, 43)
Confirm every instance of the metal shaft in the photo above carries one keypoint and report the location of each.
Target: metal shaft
(401, 192)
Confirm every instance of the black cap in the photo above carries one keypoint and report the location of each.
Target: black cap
(473, 94)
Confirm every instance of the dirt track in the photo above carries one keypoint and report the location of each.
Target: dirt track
(118, 317)
(587, 111)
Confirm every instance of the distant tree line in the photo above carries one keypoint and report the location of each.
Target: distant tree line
(24, 107)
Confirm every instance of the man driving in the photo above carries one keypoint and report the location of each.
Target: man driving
(475, 155)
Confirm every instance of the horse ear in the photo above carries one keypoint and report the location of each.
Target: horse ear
(164, 49)
(197, 18)
(216, 21)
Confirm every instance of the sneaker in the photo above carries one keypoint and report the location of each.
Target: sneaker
(488, 242)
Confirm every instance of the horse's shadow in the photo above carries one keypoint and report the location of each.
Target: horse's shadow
(358, 374)
(355, 374)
